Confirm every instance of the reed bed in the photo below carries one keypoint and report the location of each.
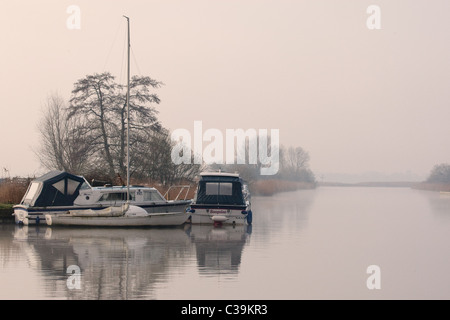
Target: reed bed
(444, 187)
(271, 187)
(12, 190)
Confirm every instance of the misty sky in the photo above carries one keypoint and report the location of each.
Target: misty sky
(356, 99)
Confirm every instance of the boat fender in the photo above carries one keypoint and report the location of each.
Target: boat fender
(22, 218)
(249, 217)
(38, 220)
(219, 218)
(48, 219)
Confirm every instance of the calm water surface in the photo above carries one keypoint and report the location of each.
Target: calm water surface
(314, 244)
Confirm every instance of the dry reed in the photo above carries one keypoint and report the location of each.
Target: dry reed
(12, 190)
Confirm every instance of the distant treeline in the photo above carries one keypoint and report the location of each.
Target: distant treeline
(87, 136)
(293, 174)
(439, 174)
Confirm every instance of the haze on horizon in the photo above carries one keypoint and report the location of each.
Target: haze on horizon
(358, 100)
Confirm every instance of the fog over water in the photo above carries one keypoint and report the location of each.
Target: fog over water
(357, 99)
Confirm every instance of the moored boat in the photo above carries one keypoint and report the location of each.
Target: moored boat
(121, 216)
(221, 198)
(61, 197)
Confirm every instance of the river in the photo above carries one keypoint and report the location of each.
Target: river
(328, 243)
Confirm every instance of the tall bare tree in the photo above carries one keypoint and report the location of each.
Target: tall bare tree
(155, 162)
(88, 136)
(64, 144)
(295, 164)
(101, 102)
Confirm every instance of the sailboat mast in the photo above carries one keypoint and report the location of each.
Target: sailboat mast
(128, 113)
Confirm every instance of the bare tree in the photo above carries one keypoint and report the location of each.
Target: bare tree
(101, 102)
(295, 164)
(296, 159)
(88, 136)
(154, 160)
(64, 145)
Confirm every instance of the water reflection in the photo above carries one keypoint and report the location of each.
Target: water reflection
(114, 263)
(219, 249)
(283, 214)
(439, 203)
(123, 263)
(148, 263)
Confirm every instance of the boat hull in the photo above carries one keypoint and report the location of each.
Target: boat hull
(222, 215)
(165, 207)
(170, 209)
(165, 219)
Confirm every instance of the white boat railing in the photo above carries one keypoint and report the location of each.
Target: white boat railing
(182, 187)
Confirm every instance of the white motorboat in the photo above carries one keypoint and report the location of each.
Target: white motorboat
(221, 198)
(59, 197)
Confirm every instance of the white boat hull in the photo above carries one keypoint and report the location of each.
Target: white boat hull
(171, 214)
(163, 219)
(119, 216)
(209, 216)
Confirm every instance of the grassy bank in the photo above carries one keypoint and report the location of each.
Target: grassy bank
(11, 192)
(6, 211)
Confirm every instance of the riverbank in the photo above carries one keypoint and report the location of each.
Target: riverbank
(389, 184)
(440, 187)
(271, 187)
(6, 211)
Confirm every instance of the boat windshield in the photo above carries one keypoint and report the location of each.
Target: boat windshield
(116, 196)
(220, 192)
(32, 192)
(85, 185)
(219, 188)
(152, 196)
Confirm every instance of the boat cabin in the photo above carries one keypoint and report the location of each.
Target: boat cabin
(61, 189)
(118, 194)
(218, 188)
(56, 188)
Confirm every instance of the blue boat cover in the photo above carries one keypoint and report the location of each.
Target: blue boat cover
(220, 190)
(59, 188)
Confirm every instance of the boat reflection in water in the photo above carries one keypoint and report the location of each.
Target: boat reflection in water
(115, 263)
(126, 263)
(219, 249)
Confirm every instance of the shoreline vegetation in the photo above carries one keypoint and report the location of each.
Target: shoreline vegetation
(430, 186)
(16, 188)
(424, 185)
(272, 187)
(13, 189)
(387, 184)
